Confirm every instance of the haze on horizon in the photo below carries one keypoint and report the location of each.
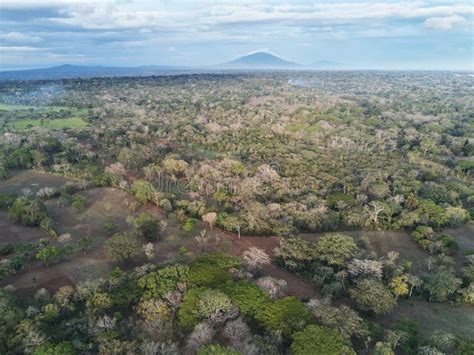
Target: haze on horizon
(431, 35)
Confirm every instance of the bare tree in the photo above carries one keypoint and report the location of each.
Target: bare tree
(255, 258)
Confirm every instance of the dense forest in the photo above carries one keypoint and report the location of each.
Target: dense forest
(264, 213)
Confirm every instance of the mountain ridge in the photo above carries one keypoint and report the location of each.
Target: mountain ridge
(259, 60)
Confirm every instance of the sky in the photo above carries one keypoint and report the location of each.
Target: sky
(427, 35)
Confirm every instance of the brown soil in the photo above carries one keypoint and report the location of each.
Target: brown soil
(16, 233)
(32, 180)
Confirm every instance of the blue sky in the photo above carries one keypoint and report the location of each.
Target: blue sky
(360, 34)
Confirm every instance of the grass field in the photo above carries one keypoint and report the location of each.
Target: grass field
(59, 123)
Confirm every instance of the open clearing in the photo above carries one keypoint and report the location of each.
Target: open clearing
(32, 180)
(431, 316)
(16, 233)
(464, 236)
(58, 123)
(104, 205)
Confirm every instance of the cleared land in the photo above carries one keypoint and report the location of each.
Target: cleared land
(458, 320)
(33, 180)
(15, 233)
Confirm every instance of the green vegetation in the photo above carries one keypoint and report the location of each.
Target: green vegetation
(59, 123)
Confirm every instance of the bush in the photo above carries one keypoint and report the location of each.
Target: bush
(6, 249)
(423, 236)
(27, 211)
(17, 262)
(189, 224)
(79, 202)
(50, 255)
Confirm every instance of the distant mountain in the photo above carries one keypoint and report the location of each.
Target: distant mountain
(325, 64)
(254, 61)
(76, 71)
(259, 60)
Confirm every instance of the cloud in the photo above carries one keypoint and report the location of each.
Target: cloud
(444, 23)
(19, 37)
(21, 49)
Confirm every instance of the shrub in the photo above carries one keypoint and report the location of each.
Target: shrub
(189, 224)
(6, 249)
(50, 255)
(17, 262)
(79, 202)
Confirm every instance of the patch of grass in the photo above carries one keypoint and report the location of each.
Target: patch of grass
(59, 123)
(8, 107)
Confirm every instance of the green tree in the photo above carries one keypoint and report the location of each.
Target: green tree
(122, 247)
(148, 225)
(284, 315)
(155, 284)
(247, 296)
(440, 285)
(27, 211)
(63, 348)
(213, 305)
(215, 349)
(335, 249)
(373, 295)
(212, 270)
(316, 340)
(143, 191)
(294, 253)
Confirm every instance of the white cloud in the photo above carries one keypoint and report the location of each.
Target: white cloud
(19, 37)
(109, 15)
(8, 49)
(444, 23)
